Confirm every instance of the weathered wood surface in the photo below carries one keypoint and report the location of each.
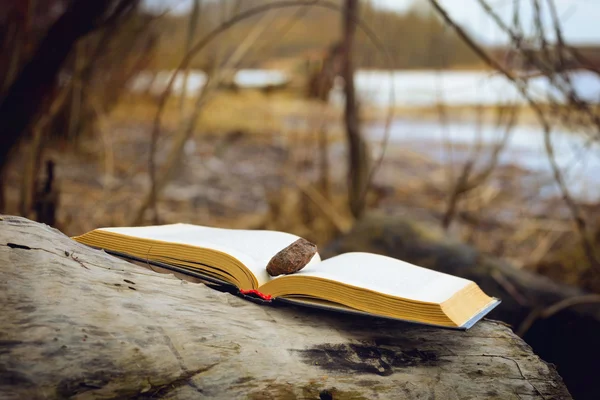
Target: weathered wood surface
(78, 323)
(567, 336)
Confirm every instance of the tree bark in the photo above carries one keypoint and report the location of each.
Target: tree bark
(80, 323)
(358, 165)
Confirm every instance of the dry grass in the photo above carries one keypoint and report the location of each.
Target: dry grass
(249, 111)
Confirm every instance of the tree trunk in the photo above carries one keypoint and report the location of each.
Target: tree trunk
(36, 82)
(2, 198)
(80, 323)
(324, 182)
(358, 163)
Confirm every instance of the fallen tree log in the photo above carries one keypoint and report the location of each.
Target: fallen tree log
(77, 322)
(560, 322)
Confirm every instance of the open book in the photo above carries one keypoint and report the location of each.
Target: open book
(352, 282)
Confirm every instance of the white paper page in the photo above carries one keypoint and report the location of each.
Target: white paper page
(387, 275)
(254, 248)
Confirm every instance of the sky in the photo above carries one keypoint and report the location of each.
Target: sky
(581, 18)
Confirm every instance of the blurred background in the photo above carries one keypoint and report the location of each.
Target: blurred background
(476, 121)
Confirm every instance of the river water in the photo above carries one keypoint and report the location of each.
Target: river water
(427, 88)
(579, 161)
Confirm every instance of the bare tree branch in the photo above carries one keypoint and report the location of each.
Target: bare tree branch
(225, 26)
(187, 129)
(547, 129)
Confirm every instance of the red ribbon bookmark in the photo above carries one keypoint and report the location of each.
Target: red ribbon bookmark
(266, 297)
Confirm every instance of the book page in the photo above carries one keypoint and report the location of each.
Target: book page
(254, 248)
(388, 276)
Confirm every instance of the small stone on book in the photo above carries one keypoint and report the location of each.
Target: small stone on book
(292, 259)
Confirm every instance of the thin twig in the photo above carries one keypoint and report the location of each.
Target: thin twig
(554, 309)
(510, 288)
(325, 206)
(570, 302)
